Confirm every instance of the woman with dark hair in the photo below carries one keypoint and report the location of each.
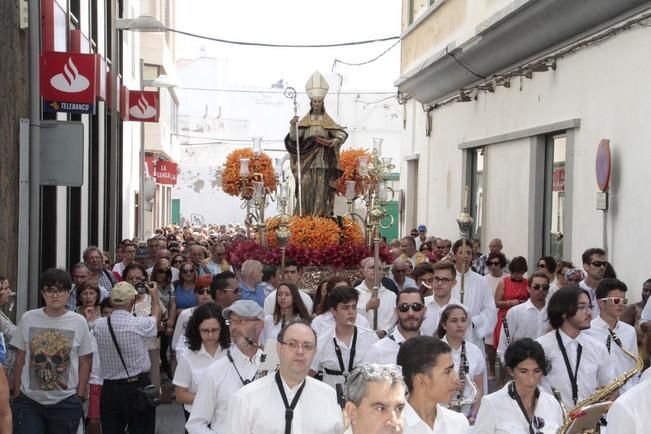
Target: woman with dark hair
(324, 288)
(511, 291)
(495, 262)
(161, 273)
(178, 260)
(289, 307)
(88, 299)
(521, 406)
(452, 329)
(184, 287)
(207, 336)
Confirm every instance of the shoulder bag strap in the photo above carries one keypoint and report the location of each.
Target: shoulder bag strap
(117, 347)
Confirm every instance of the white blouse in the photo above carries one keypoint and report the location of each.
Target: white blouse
(190, 368)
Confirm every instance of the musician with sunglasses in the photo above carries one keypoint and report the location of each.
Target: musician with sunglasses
(529, 319)
(229, 374)
(521, 406)
(410, 308)
(595, 263)
(610, 331)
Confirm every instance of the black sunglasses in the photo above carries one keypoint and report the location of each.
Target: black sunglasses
(599, 263)
(538, 286)
(416, 307)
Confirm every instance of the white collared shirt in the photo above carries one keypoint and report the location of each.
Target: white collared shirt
(593, 298)
(325, 323)
(386, 313)
(446, 422)
(500, 414)
(524, 321)
(476, 366)
(409, 283)
(433, 315)
(645, 316)
(592, 371)
(326, 356)
(630, 413)
(619, 361)
(219, 382)
(479, 300)
(385, 351)
(190, 368)
(270, 302)
(258, 408)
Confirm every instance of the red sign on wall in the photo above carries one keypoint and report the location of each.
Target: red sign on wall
(143, 106)
(166, 172)
(68, 82)
(558, 179)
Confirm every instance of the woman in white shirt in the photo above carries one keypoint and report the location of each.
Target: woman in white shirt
(452, 329)
(289, 306)
(521, 407)
(207, 336)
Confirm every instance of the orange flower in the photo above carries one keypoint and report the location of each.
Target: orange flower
(262, 164)
(309, 232)
(348, 163)
(352, 233)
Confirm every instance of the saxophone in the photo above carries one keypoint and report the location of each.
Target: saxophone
(603, 393)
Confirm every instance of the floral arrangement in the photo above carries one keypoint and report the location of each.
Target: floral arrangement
(317, 232)
(337, 256)
(348, 164)
(262, 164)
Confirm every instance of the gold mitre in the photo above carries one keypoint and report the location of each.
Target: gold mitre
(316, 86)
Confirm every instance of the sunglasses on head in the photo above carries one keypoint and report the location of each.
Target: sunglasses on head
(416, 307)
(538, 286)
(614, 300)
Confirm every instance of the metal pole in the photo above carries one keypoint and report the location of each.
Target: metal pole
(112, 210)
(141, 187)
(298, 162)
(28, 296)
(376, 272)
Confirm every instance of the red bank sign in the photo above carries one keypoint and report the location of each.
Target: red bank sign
(143, 106)
(68, 82)
(166, 172)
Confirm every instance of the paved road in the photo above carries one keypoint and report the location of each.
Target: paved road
(170, 419)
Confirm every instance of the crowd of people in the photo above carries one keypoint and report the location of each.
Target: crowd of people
(249, 349)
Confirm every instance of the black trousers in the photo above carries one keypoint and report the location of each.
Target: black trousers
(117, 408)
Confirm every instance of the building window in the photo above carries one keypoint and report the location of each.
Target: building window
(476, 190)
(554, 195)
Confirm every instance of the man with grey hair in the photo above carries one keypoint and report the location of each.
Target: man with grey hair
(372, 386)
(94, 259)
(250, 276)
(81, 274)
(399, 270)
(371, 303)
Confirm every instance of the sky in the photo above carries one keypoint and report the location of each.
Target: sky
(294, 22)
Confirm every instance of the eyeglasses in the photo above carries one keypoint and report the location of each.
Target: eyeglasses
(202, 291)
(614, 300)
(542, 265)
(442, 279)
(54, 290)
(538, 286)
(294, 346)
(599, 263)
(210, 331)
(493, 263)
(416, 307)
(585, 306)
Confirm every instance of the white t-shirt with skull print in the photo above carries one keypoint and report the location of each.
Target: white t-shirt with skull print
(52, 348)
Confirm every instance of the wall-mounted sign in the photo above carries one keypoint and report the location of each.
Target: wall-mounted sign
(603, 164)
(166, 172)
(68, 82)
(143, 106)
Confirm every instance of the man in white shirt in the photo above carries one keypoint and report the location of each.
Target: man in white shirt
(229, 374)
(410, 310)
(372, 387)
(594, 263)
(478, 297)
(398, 274)
(345, 346)
(442, 280)
(528, 319)
(428, 371)
(577, 360)
(614, 334)
(288, 401)
(129, 252)
(630, 413)
(381, 304)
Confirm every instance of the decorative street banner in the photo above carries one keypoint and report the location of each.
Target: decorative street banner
(143, 106)
(68, 82)
(166, 172)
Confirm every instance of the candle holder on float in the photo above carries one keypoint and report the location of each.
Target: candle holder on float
(464, 220)
(372, 174)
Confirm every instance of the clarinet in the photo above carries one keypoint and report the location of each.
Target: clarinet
(505, 326)
(464, 367)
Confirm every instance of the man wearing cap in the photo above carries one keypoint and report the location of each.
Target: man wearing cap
(289, 401)
(422, 236)
(319, 138)
(229, 374)
(123, 375)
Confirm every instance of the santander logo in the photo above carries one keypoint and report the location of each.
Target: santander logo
(70, 80)
(142, 109)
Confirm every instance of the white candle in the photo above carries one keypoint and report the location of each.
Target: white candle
(362, 166)
(257, 145)
(244, 167)
(284, 191)
(350, 190)
(382, 191)
(377, 145)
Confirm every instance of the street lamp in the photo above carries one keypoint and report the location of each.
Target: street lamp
(143, 23)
